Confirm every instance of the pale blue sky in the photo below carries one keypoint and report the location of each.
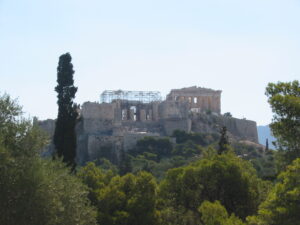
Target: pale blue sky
(237, 46)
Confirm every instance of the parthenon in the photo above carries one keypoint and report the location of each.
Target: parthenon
(148, 106)
(199, 99)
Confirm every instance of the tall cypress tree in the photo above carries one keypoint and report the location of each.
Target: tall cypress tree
(267, 145)
(65, 135)
(224, 141)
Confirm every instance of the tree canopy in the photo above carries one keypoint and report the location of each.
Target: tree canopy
(284, 98)
(225, 177)
(127, 200)
(282, 204)
(34, 190)
(213, 213)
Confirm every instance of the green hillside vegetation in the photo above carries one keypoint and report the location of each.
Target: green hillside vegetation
(156, 155)
(185, 179)
(34, 190)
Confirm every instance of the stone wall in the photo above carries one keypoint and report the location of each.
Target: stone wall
(176, 124)
(242, 128)
(99, 145)
(130, 139)
(173, 110)
(92, 110)
(120, 124)
(97, 126)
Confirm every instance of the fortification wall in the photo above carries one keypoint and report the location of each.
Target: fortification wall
(97, 126)
(99, 146)
(103, 111)
(173, 110)
(170, 125)
(240, 129)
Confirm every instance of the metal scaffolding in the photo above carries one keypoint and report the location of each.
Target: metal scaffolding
(142, 96)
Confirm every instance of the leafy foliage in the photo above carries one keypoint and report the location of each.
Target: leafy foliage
(262, 160)
(128, 200)
(282, 204)
(213, 213)
(187, 149)
(284, 99)
(33, 190)
(95, 178)
(225, 177)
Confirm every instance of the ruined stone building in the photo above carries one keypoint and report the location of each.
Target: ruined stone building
(123, 117)
(199, 99)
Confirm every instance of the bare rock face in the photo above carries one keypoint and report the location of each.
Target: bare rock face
(118, 125)
(239, 129)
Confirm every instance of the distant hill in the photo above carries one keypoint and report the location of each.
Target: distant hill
(264, 132)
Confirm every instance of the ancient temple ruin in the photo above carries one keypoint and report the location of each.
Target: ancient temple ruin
(199, 99)
(123, 117)
(148, 106)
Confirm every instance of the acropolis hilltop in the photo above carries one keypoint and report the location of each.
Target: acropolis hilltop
(123, 117)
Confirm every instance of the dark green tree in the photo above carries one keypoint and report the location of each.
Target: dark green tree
(227, 114)
(284, 99)
(267, 144)
(226, 178)
(282, 204)
(65, 135)
(34, 190)
(213, 213)
(127, 200)
(224, 141)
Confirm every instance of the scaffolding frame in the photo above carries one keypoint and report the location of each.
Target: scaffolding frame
(108, 96)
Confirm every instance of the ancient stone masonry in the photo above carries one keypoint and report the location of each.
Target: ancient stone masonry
(118, 123)
(199, 99)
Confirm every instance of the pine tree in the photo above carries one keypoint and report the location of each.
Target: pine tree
(267, 145)
(65, 135)
(284, 99)
(224, 141)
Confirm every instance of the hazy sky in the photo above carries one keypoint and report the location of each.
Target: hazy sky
(237, 46)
